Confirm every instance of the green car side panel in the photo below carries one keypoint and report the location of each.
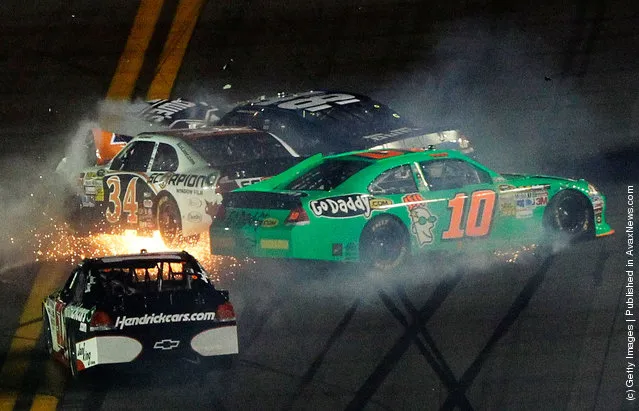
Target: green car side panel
(509, 210)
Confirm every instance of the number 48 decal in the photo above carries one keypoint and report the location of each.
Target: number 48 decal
(478, 218)
(129, 204)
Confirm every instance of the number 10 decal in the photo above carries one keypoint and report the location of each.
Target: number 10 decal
(479, 215)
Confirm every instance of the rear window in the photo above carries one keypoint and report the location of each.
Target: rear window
(220, 150)
(328, 175)
(149, 276)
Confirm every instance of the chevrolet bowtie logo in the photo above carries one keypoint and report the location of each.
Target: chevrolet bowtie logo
(165, 345)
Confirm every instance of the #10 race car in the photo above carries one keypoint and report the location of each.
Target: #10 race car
(381, 206)
(172, 181)
(148, 306)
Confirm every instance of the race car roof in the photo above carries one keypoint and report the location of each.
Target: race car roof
(208, 132)
(164, 255)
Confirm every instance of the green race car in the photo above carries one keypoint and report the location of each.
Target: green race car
(381, 206)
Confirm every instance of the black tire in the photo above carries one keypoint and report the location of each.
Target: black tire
(169, 221)
(384, 244)
(570, 215)
(73, 364)
(46, 334)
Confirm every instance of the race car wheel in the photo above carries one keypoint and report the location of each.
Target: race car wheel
(71, 354)
(46, 333)
(570, 213)
(384, 244)
(169, 221)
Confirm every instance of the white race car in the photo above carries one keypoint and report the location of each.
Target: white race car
(172, 181)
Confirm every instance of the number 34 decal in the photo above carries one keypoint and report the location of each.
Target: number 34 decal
(479, 215)
(128, 204)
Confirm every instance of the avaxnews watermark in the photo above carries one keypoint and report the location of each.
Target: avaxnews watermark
(629, 296)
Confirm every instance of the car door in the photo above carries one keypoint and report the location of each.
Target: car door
(126, 184)
(456, 205)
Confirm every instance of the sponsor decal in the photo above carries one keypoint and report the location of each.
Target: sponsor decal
(422, 220)
(270, 222)
(90, 283)
(527, 201)
(162, 318)
(147, 203)
(78, 313)
(84, 355)
(175, 179)
(195, 202)
(166, 345)
(243, 182)
(241, 218)
(380, 203)
(185, 151)
(194, 217)
(83, 327)
(386, 136)
(352, 205)
(165, 109)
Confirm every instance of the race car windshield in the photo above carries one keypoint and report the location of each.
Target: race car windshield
(342, 126)
(220, 150)
(328, 175)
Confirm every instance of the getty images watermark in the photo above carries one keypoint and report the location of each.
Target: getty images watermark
(629, 314)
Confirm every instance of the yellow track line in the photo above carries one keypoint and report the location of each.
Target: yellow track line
(27, 335)
(130, 64)
(174, 49)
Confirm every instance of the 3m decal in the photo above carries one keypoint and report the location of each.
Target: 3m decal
(162, 318)
(479, 215)
(342, 206)
(422, 220)
(318, 102)
(129, 205)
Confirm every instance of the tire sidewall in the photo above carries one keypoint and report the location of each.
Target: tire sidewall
(369, 254)
(165, 201)
(551, 217)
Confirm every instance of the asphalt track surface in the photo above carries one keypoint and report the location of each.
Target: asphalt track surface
(550, 88)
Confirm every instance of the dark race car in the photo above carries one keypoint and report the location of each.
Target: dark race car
(333, 122)
(133, 308)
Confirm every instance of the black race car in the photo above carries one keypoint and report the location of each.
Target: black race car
(335, 121)
(148, 306)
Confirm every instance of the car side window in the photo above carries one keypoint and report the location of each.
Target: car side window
(446, 174)
(397, 180)
(166, 159)
(135, 157)
(77, 288)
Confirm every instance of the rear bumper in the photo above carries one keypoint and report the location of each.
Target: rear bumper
(107, 348)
